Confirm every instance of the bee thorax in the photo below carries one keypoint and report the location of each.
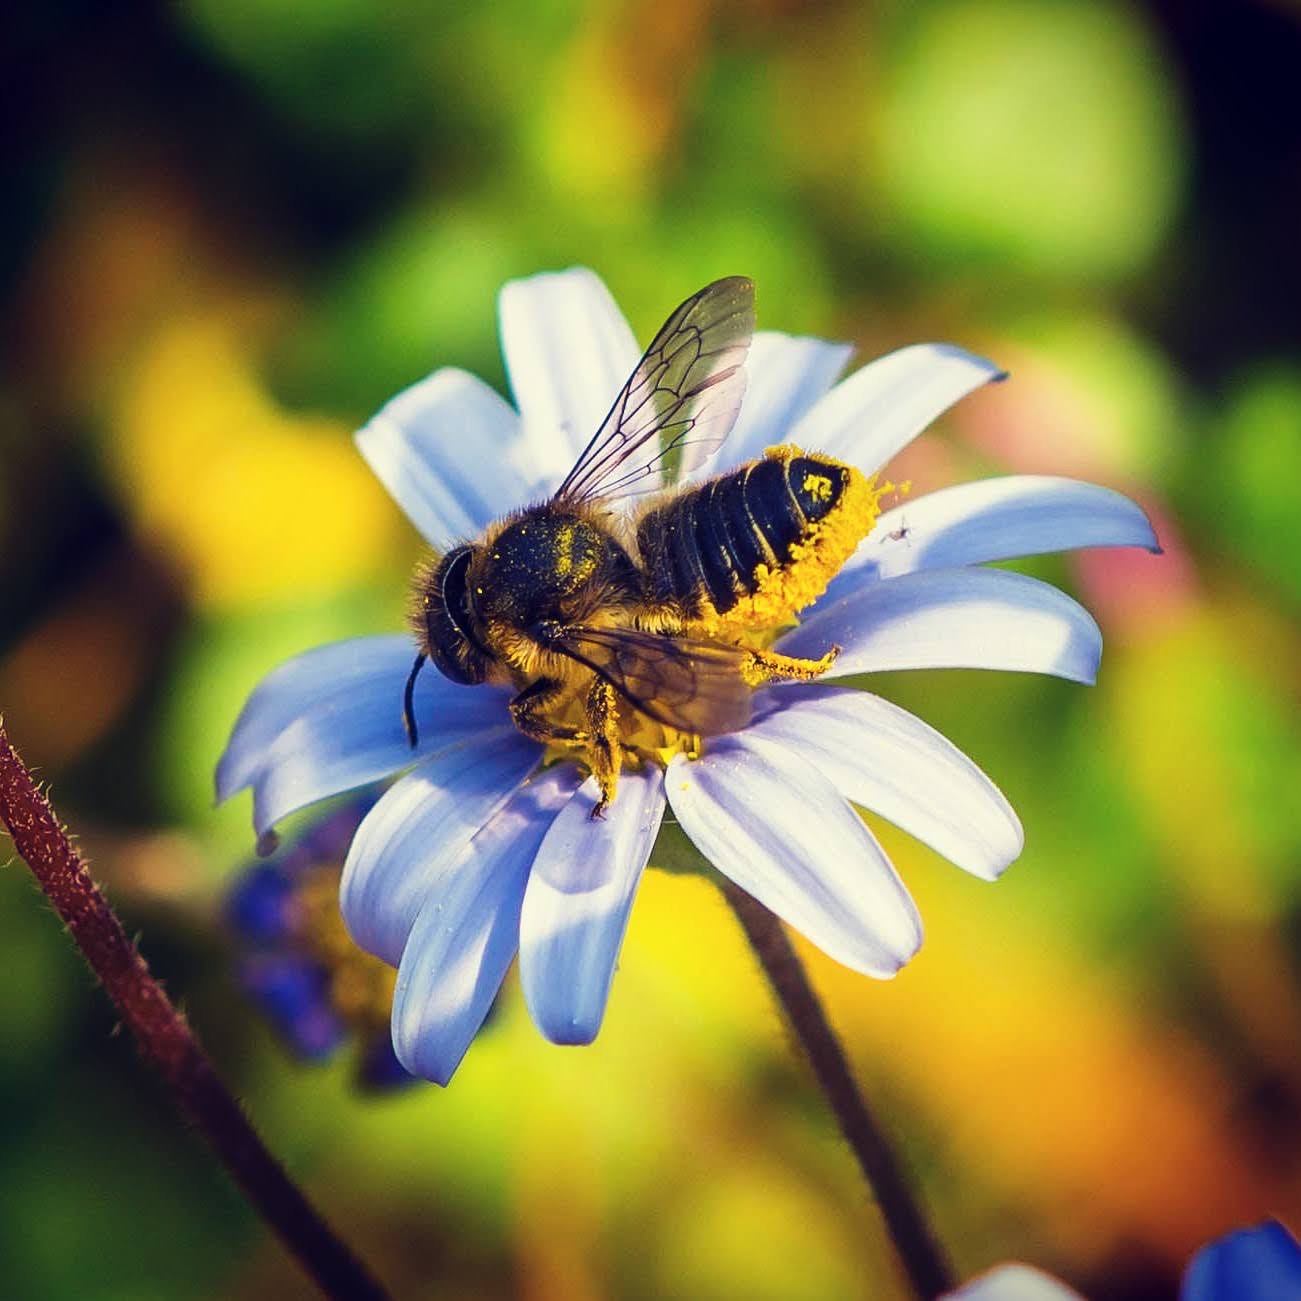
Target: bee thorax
(549, 568)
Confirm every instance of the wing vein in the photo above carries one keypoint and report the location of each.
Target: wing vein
(690, 377)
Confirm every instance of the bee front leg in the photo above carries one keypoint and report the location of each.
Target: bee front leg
(527, 708)
(605, 753)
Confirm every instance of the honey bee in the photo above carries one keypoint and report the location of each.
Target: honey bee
(633, 633)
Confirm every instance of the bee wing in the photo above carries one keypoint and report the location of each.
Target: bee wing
(683, 682)
(682, 397)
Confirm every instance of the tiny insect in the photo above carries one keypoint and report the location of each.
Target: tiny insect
(901, 534)
(634, 630)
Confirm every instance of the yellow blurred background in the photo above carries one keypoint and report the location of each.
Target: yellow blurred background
(233, 228)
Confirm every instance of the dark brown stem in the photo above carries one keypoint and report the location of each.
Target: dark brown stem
(921, 1255)
(164, 1038)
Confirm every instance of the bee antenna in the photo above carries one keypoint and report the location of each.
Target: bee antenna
(408, 698)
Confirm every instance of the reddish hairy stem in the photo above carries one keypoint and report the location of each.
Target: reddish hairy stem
(164, 1038)
(920, 1253)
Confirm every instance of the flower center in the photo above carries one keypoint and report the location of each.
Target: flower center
(643, 740)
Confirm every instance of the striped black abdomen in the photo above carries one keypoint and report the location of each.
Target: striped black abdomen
(706, 549)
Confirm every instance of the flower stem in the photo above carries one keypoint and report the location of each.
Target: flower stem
(164, 1038)
(920, 1253)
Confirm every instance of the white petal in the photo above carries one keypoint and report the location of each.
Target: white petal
(868, 417)
(568, 352)
(449, 450)
(953, 619)
(353, 738)
(995, 519)
(885, 759)
(420, 825)
(1014, 1283)
(577, 904)
(298, 685)
(331, 719)
(785, 375)
(467, 931)
(783, 833)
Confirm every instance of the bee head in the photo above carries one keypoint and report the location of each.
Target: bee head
(447, 621)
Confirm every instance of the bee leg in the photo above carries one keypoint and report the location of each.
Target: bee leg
(604, 752)
(764, 666)
(526, 710)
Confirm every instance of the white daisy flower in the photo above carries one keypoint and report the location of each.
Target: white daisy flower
(482, 850)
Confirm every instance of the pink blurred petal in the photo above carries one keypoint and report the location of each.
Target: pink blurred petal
(1046, 421)
(1134, 593)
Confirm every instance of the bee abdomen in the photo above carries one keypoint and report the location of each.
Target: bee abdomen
(718, 565)
(709, 551)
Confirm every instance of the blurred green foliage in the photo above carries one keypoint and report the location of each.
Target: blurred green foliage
(1249, 486)
(1036, 138)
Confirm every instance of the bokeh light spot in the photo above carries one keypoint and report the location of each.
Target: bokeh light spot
(1044, 137)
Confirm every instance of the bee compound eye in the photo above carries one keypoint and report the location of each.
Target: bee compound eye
(456, 658)
(449, 621)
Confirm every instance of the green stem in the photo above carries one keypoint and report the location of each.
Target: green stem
(920, 1253)
(165, 1040)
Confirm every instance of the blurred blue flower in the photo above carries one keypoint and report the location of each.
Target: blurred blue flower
(293, 992)
(1260, 1264)
(480, 851)
(299, 966)
(1263, 1264)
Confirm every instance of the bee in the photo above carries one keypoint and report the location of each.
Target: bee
(634, 633)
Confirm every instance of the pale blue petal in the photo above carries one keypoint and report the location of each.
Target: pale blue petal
(881, 408)
(420, 825)
(577, 904)
(568, 352)
(467, 931)
(1014, 1283)
(337, 686)
(351, 738)
(886, 760)
(293, 687)
(994, 519)
(450, 451)
(1261, 1264)
(783, 833)
(953, 619)
(785, 375)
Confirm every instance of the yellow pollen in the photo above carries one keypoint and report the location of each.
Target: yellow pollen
(784, 590)
(641, 739)
(818, 486)
(565, 550)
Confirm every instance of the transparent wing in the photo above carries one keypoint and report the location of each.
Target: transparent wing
(680, 402)
(683, 682)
